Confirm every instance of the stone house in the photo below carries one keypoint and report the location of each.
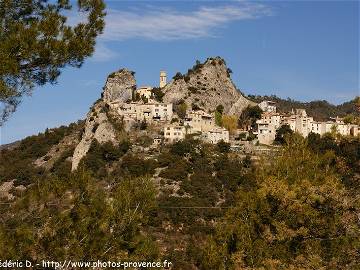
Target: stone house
(199, 121)
(267, 106)
(149, 111)
(215, 135)
(174, 133)
(144, 91)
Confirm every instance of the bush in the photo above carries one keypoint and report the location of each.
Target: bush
(180, 108)
(193, 89)
(282, 133)
(157, 94)
(135, 166)
(178, 76)
(178, 170)
(223, 147)
(101, 154)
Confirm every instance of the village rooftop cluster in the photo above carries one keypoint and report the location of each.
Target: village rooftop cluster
(202, 125)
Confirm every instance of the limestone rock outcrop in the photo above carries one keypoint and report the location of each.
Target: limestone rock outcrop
(207, 85)
(97, 126)
(119, 86)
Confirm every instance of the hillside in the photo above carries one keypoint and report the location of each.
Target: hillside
(101, 188)
(321, 110)
(189, 202)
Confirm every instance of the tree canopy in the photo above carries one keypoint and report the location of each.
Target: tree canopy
(37, 41)
(299, 216)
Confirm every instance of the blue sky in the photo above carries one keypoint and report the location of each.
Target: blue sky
(305, 50)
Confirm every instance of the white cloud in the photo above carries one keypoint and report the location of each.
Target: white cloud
(103, 53)
(170, 24)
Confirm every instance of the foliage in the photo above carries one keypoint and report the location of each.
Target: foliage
(178, 76)
(229, 122)
(36, 43)
(157, 94)
(135, 166)
(180, 108)
(282, 133)
(228, 72)
(299, 216)
(352, 119)
(144, 141)
(144, 99)
(184, 147)
(18, 164)
(223, 147)
(74, 218)
(218, 115)
(101, 154)
(249, 116)
(195, 107)
(218, 118)
(193, 90)
(345, 152)
(220, 108)
(143, 125)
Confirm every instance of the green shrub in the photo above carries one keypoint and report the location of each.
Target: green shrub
(135, 166)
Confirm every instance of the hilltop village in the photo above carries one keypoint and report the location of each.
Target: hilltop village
(147, 109)
(202, 104)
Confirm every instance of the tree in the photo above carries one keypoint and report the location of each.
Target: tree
(282, 133)
(218, 115)
(229, 122)
(180, 108)
(157, 94)
(220, 108)
(249, 116)
(298, 216)
(36, 43)
(223, 147)
(94, 222)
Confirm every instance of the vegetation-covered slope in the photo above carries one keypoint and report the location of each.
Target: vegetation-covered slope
(199, 206)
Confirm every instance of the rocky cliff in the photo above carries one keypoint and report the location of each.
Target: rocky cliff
(119, 86)
(101, 122)
(207, 85)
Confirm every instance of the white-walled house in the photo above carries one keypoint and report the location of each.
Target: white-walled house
(199, 121)
(267, 106)
(144, 91)
(149, 112)
(267, 126)
(174, 133)
(216, 135)
(301, 123)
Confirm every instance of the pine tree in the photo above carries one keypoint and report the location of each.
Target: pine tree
(36, 43)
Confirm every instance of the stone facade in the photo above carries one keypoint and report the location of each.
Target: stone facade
(174, 133)
(199, 121)
(145, 91)
(149, 111)
(216, 135)
(267, 106)
(267, 126)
